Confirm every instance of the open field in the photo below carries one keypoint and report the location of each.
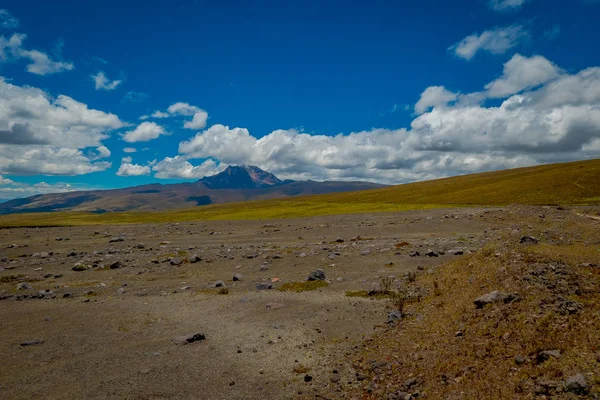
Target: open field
(105, 329)
(576, 183)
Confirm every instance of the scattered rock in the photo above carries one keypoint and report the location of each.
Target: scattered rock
(121, 291)
(588, 265)
(187, 339)
(116, 265)
(394, 316)
(116, 239)
(308, 378)
(495, 297)
(195, 258)
(275, 306)
(414, 254)
(431, 253)
(264, 267)
(577, 384)
(317, 275)
(264, 286)
(140, 246)
(365, 253)
(24, 286)
(46, 294)
(456, 252)
(80, 267)
(219, 284)
(175, 261)
(339, 240)
(528, 240)
(545, 355)
(237, 277)
(520, 360)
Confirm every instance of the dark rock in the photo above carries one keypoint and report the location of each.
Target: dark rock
(414, 254)
(67, 295)
(219, 284)
(187, 339)
(495, 297)
(547, 354)
(175, 261)
(577, 384)
(528, 240)
(308, 378)
(394, 316)
(116, 265)
(519, 360)
(24, 286)
(456, 252)
(317, 275)
(588, 265)
(264, 267)
(71, 254)
(195, 258)
(140, 246)
(31, 343)
(410, 383)
(339, 240)
(275, 306)
(237, 277)
(431, 253)
(46, 294)
(264, 286)
(80, 267)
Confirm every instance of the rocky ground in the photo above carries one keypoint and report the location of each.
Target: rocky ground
(196, 310)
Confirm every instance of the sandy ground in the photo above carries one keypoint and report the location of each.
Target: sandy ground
(112, 338)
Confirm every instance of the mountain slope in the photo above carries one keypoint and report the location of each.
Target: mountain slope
(235, 184)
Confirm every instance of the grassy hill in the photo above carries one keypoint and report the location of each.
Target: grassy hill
(574, 183)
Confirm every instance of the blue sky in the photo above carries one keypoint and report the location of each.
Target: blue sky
(384, 91)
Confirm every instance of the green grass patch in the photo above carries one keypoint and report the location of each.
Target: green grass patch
(302, 286)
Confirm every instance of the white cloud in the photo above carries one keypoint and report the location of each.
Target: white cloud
(506, 5)
(5, 181)
(522, 73)
(496, 41)
(101, 82)
(129, 169)
(198, 121)
(7, 20)
(183, 109)
(160, 114)
(434, 96)
(13, 189)
(130, 150)
(179, 168)
(40, 63)
(144, 132)
(134, 97)
(45, 160)
(548, 116)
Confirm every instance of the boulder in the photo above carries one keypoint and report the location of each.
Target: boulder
(495, 297)
(577, 384)
(317, 275)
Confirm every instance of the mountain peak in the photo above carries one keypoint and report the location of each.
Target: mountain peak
(241, 177)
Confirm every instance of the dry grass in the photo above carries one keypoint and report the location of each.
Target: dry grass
(302, 286)
(576, 183)
(459, 352)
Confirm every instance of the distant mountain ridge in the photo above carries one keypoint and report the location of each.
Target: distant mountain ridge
(234, 184)
(241, 177)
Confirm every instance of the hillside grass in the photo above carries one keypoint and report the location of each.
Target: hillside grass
(575, 183)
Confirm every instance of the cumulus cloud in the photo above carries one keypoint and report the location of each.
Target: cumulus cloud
(101, 82)
(506, 5)
(129, 169)
(434, 96)
(179, 167)
(546, 115)
(522, 73)
(134, 97)
(11, 189)
(144, 132)
(7, 20)
(199, 116)
(130, 150)
(495, 41)
(40, 63)
(44, 160)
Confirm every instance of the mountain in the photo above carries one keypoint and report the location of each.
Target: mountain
(241, 177)
(236, 183)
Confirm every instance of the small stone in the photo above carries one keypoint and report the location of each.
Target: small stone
(547, 354)
(528, 240)
(495, 297)
(410, 382)
(431, 253)
(317, 275)
(187, 339)
(237, 277)
(219, 284)
(264, 286)
(275, 306)
(588, 265)
(46, 294)
(456, 252)
(577, 384)
(67, 295)
(195, 258)
(175, 261)
(121, 291)
(116, 239)
(116, 265)
(414, 254)
(24, 286)
(394, 316)
(140, 246)
(308, 378)
(519, 360)
(339, 240)
(264, 267)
